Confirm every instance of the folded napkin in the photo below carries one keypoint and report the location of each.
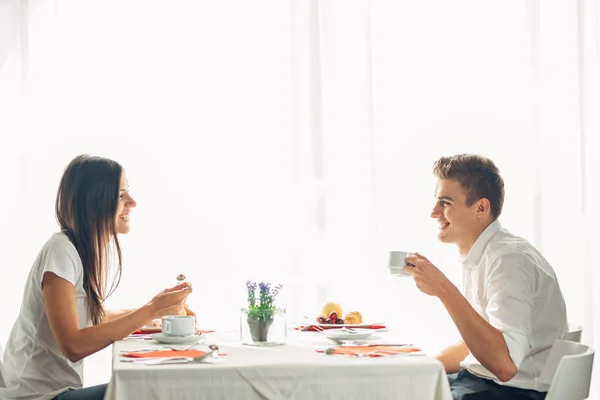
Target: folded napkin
(372, 351)
(168, 354)
(316, 328)
(158, 330)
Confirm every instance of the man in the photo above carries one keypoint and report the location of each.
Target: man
(511, 310)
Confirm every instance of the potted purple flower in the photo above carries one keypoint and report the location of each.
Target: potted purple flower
(261, 309)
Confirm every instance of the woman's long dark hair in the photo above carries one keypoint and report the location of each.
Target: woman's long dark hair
(86, 206)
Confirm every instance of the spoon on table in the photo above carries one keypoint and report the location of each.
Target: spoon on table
(213, 348)
(351, 352)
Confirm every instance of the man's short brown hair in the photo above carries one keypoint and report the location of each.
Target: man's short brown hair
(478, 175)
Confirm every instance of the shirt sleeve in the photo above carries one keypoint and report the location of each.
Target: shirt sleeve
(61, 258)
(510, 292)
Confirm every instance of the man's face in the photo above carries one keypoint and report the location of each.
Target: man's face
(458, 222)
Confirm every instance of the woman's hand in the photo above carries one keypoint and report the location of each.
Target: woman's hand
(170, 301)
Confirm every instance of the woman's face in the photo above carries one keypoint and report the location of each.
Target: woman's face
(126, 203)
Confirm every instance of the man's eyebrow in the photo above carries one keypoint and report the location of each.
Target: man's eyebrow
(444, 198)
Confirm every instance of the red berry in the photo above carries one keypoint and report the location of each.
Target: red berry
(333, 316)
(328, 321)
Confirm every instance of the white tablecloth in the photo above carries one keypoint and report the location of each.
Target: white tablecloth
(291, 371)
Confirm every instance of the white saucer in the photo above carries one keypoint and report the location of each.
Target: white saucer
(190, 339)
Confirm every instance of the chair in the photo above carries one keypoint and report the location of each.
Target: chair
(568, 370)
(2, 384)
(574, 333)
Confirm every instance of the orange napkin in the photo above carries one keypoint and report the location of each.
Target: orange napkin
(314, 328)
(158, 330)
(168, 353)
(367, 350)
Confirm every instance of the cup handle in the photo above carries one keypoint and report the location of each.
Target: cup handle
(166, 327)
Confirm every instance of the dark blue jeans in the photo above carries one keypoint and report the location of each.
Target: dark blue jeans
(88, 393)
(466, 386)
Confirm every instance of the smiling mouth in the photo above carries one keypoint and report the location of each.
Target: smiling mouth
(444, 225)
(124, 217)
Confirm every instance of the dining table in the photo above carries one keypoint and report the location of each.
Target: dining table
(306, 367)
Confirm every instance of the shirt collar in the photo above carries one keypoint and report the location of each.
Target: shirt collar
(471, 261)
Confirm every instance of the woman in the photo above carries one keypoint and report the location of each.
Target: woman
(62, 318)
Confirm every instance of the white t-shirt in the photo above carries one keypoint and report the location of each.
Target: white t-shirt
(33, 366)
(512, 286)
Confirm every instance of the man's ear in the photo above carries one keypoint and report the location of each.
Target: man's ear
(483, 207)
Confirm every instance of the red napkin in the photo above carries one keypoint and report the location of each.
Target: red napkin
(168, 354)
(369, 350)
(315, 328)
(157, 330)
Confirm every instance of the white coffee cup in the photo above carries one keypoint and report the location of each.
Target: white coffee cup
(178, 325)
(397, 263)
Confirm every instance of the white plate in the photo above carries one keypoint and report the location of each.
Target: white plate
(150, 329)
(343, 334)
(336, 326)
(153, 327)
(162, 338)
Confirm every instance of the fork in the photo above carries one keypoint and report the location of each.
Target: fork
(355, 330)
(178, 360)
(161, 348)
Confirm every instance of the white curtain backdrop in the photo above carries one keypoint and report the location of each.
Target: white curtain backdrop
(293, 142)
(407, 83)
(517, 82)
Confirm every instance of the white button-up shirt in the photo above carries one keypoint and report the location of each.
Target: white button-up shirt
(512, 286)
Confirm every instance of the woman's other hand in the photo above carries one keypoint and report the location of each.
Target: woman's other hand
(188, 311)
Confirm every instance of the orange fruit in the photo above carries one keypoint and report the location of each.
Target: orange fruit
(330, 307)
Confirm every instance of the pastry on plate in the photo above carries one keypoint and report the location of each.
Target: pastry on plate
(352, 318)
(155, 323)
